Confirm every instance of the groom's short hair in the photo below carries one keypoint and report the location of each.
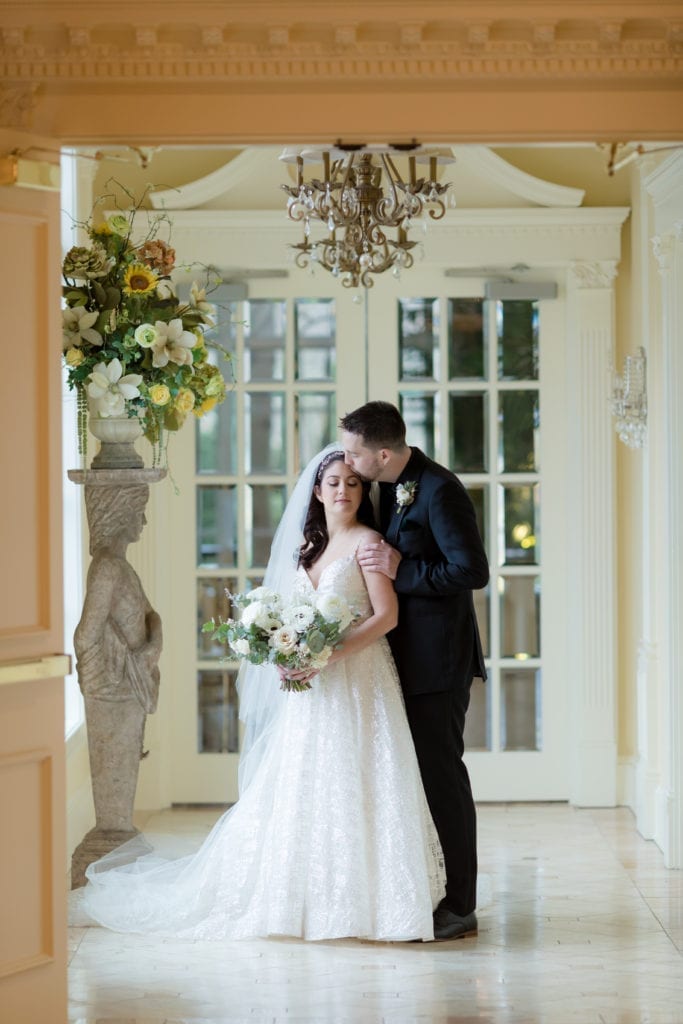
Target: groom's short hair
(379, 424)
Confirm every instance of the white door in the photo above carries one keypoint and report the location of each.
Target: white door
(299, 364)
(480, 386)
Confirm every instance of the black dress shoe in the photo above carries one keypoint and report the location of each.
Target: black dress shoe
(448, 925)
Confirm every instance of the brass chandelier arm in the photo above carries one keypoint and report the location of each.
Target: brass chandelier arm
(357, 211)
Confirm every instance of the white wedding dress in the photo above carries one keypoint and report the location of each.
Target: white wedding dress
(331, 838)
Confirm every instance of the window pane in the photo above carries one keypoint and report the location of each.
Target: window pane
(316, 423)
(479, 495)
(225, 331)
(216, 526)
(517, 329)
(518, 441)
(482, 609)
(213, 603)
(520, 600)
(264, 508)
(466, 349)
(265, 432)
(218, 725)
(420, 415)
(478, 720)
(520, 709)
(216, 438)
(468, 440)
(418, 325)
(520, 524)
(265, 331)
(315, 339)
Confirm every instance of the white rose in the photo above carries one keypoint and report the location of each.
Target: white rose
(241, 646)
(284, 640)
(252, 613)
(334, 609)
(300, 616)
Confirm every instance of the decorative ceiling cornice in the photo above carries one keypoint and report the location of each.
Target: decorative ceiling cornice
(83, 46)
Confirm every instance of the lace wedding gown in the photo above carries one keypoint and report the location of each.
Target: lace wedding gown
(331, 838)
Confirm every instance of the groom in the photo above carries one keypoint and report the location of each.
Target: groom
(434, 553)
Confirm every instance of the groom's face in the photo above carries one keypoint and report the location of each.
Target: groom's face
(367, 462)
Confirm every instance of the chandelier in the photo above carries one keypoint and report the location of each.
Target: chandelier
(361, 198)
(629, 400)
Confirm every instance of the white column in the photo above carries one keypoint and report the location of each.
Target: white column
(665, 187)
(668, 249)
(648, 554)
(592, 539)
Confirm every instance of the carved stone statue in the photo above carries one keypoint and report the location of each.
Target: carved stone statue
(118, 643)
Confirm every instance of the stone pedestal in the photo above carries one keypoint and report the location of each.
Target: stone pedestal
(118, 644)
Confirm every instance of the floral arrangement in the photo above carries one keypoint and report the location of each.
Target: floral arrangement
(131, 347)
(296, 633)
(405, 494)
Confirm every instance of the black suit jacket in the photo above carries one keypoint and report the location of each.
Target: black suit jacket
(436, 643)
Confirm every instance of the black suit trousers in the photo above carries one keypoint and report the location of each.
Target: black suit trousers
(437, 722)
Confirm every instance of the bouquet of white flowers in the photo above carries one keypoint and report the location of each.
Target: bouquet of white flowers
(297, 633)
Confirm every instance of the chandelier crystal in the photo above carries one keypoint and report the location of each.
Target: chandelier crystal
(359, 200)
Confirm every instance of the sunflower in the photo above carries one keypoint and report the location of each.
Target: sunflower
(139, 280)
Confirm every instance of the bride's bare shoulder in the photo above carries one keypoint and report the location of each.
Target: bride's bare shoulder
(368, 536)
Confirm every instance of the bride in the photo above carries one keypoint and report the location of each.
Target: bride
(331, 836)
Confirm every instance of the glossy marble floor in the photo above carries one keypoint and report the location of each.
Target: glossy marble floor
(585, 926)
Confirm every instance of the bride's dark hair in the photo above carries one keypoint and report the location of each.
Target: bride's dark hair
(316, 537)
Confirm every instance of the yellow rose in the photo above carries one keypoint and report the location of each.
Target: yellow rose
(184, 400)
(74, 357)
(159, 394)
(206, 406)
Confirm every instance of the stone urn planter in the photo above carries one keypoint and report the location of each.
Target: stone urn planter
(117, 436)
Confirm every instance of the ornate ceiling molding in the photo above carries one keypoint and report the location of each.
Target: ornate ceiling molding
(226, 42)
(16, 105)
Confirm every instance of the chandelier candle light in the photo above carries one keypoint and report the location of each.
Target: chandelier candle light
(359, 201)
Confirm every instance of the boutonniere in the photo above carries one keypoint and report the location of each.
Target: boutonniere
(405, 494)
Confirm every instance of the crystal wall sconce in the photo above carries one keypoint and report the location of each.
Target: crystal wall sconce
(629, 400)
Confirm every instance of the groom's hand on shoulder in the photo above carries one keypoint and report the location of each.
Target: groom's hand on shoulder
(380, 557)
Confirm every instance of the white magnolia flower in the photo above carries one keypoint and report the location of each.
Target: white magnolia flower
(300, 616)
(284, 640)
(110, 390)
(165, 290)
(198, 302)
(77, 326)
(173, 344)
(241, 646)
(334, 609)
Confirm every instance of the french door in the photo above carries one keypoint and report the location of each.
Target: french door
(480, 385)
